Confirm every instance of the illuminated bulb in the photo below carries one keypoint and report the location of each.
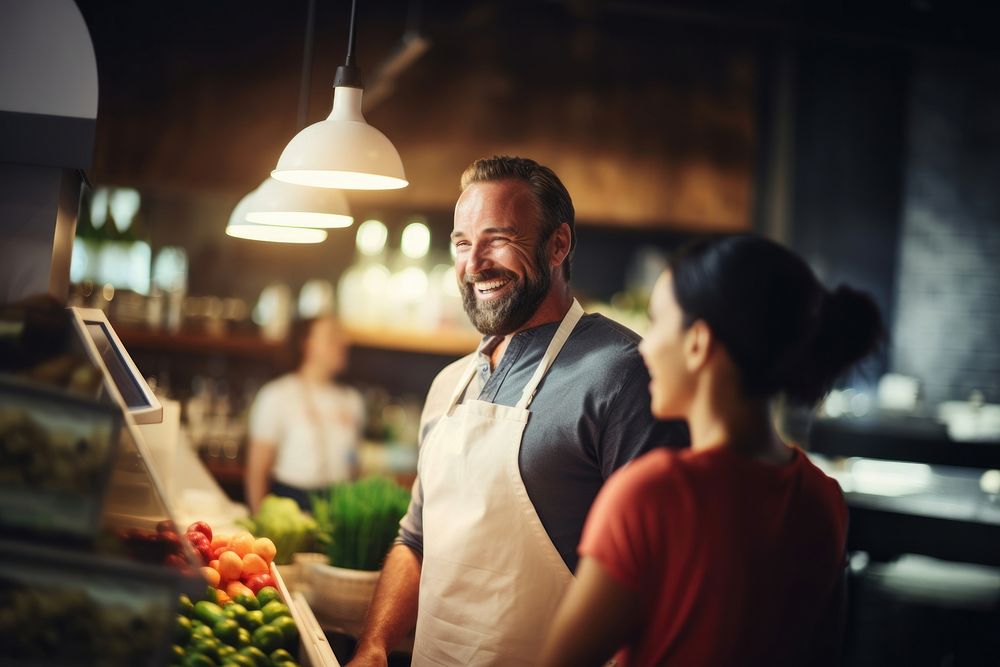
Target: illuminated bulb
(416, 240)
(371, 237)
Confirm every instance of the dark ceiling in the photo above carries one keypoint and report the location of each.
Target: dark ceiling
(647, 109)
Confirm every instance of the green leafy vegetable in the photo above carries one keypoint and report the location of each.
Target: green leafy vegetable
(281, 519)
(359, 521)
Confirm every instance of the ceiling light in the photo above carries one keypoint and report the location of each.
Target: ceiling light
(284, 204)
(343, 151)
(241, 228)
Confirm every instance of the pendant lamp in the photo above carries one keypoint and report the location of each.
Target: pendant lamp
(343, 151)
(289, 205)
(242, 228)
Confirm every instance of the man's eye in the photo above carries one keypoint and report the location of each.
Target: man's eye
(499, 240)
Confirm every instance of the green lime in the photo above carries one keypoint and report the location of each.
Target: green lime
(198, 660)
(182, 629)
(226, 651)
(240, 661)
(177, 654)
(243, 638)
(207, 646)
(267, 594)
(185, 606)
(281, 657)
(288, 629)
(250, 602)
(252, 620)
(274, 609)
(235, 611)
(258, 656)
(268, 638)
(208, 612)
(210, 594)
(201, 630)
(226, 631)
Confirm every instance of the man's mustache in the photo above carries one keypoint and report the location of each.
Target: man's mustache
(489, 274)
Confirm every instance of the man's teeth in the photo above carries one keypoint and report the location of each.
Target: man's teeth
(490, 285)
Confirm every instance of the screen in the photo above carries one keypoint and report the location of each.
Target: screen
(114, 359)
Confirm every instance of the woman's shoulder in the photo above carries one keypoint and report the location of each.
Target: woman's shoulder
(279, 385)
(648, 476)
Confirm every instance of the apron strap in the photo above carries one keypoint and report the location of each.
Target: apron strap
(463, 383)
(569, 322)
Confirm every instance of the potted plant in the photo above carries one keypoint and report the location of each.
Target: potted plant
(357, 523)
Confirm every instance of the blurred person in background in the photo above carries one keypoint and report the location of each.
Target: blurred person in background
(304, 427)
(731, 552)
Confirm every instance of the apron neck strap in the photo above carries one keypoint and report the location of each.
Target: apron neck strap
(566, 327)
(555, 346)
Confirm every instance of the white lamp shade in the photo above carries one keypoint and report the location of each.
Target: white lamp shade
(289, 205)
(342, 151)
(240, 227)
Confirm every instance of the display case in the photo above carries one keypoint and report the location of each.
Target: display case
(91, 570)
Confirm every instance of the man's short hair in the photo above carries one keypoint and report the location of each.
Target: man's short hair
(554, 203)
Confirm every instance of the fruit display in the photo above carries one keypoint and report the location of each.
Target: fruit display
(241, 619)
(60, 611)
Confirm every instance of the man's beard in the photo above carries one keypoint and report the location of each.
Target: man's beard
(504, 315)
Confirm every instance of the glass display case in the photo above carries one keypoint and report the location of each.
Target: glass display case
(92, 569)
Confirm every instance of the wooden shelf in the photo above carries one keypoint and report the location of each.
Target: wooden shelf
(445, 342)
(450, 342)
(186, 341)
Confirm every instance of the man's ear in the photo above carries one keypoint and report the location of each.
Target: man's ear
(559, 244)
(698, 345)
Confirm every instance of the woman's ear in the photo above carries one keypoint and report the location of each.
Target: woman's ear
(698, 345)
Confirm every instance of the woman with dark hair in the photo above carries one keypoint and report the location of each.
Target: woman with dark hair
(731, 552)
(304, 428)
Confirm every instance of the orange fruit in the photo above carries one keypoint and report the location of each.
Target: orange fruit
(253, 564)
(265, 548)
(242, 544)
(211, 575)
(220, 541)
(230, 565)
(235, 589)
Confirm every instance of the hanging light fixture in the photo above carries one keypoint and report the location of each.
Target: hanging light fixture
(289, 205)
(242, 228)
(343, 151)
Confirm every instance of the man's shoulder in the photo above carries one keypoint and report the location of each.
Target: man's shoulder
(606, 342)
(614, 335)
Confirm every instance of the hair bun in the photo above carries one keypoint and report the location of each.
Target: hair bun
(848, 328)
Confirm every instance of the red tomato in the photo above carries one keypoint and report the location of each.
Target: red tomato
(259, 581)
(201, 527)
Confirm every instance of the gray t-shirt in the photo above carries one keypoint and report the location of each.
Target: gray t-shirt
(590, 416)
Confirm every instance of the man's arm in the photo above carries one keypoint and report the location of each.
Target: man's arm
(393, 611)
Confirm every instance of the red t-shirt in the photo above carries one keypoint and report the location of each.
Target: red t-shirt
(737, 561)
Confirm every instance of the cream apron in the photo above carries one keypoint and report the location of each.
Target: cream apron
(491, 578)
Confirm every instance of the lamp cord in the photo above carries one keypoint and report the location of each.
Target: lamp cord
(307, 57)
(350, 35)
(349, 74)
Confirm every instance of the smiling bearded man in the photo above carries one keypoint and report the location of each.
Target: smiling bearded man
(516, 438)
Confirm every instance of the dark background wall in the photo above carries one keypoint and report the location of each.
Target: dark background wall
(947, 325)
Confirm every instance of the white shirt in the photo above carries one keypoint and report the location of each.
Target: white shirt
(316, 428)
